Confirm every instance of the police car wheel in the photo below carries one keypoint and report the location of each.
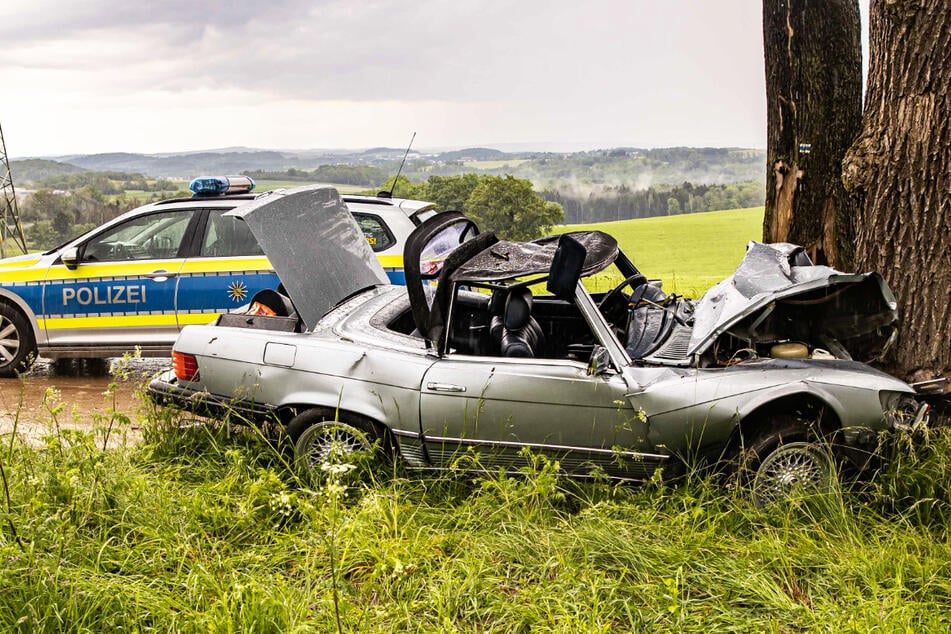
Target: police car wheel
(17, 344)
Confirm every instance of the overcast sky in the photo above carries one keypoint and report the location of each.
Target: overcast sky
(158, 76)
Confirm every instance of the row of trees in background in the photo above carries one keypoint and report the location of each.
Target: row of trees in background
(601, 205)
(622, 202)
(53, 217)
(359, 175)
(506, 205)
(108, 183)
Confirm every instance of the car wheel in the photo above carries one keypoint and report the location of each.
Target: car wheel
(17, 344)
(781, 461)
(319, 441)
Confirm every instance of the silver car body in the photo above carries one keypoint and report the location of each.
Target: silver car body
(361, 361)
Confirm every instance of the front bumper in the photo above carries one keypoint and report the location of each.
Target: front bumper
(167, 390)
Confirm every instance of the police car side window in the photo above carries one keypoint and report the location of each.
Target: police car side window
(228, 237)
(152, 237)
(378, 235)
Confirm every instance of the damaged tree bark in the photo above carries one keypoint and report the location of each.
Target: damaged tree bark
(814, 110)
(899, 172)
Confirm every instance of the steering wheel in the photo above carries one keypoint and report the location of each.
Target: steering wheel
(633, 280)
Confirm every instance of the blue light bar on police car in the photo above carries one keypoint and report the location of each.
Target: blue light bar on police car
(221, 185)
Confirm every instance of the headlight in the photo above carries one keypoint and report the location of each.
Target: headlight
(901, 410)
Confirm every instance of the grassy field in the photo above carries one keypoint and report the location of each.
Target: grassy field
(206, 528)
(209, 527)
(690, 252)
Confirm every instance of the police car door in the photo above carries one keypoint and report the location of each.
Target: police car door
(122, 292)
(228, 268)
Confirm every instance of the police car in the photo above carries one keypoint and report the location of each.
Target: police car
(140, 278)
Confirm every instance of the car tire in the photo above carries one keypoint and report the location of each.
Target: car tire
(17, 343)
(783, 459)
(319, 440)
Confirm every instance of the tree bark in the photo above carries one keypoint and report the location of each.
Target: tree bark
(899, 173)
(814, 112)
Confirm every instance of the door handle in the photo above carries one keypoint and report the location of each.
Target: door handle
(160, 276)
(445, 387)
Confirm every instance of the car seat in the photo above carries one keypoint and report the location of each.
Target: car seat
(521, 334)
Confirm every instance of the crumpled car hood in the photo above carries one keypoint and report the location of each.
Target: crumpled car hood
(800, 296)
(314, 245)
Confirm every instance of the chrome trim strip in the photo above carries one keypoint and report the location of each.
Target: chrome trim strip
(487, 470)
(545, 447)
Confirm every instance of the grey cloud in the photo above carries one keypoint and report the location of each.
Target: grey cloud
(428, 49)
(577, 61)
(41, 21)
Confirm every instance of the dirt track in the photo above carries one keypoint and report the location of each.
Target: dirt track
(81, 387)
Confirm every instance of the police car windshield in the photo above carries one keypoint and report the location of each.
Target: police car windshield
(73, 239)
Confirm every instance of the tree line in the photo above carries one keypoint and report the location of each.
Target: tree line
(51, 218)
(622, 202)
(108, 183)
(359, 175)
(507, 205)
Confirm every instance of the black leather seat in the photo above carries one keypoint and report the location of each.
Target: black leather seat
(521, 334)
(496, 323)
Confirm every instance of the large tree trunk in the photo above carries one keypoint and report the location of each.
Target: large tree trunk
(899, 171)
(814, 112)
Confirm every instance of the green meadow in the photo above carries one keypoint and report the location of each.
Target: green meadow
(689, 252)
(151, 521)
(210, 528)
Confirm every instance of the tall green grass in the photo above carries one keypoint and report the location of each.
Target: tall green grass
(690, 252)
(209, 527)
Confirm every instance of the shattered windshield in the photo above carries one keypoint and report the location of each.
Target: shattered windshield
(434, 253)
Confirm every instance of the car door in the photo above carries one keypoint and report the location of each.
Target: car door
(500, 406)
(226, 270)
(122, 292)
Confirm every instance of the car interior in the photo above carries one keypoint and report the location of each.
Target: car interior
(519, 321)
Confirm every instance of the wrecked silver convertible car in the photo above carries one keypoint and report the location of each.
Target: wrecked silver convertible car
(496, 347)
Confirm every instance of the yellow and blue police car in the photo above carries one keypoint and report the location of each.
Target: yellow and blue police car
(140, 278)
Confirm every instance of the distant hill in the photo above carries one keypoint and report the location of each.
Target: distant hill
(635, 168)
(475, 154)
(30, 170)
(184, 166)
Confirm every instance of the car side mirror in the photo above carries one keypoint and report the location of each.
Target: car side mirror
(70, 257)
(600, 361)
(566, 265)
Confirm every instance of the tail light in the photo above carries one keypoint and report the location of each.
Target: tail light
(185, 366)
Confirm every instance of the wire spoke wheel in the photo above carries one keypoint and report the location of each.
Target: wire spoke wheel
(330, 443)
(792, 467)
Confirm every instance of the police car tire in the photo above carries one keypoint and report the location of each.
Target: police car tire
(25, 341)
